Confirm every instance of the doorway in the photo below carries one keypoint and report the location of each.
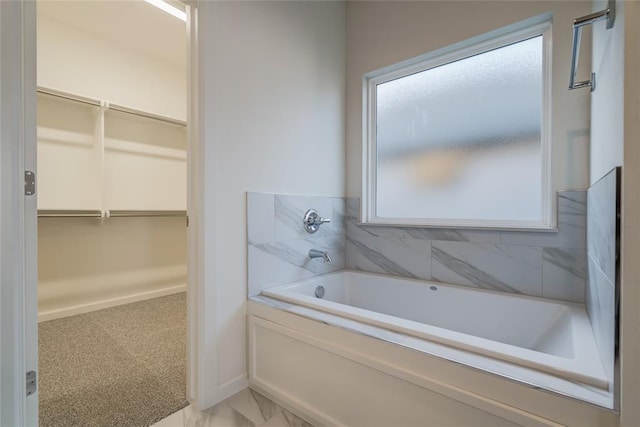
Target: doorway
(112, 168)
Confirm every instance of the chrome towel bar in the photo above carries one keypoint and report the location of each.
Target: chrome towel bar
(610, 15)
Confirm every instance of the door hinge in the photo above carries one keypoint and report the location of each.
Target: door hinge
(32, 382)
(29, 183)
(187, 220)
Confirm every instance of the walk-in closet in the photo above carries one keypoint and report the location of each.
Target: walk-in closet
(112, 194)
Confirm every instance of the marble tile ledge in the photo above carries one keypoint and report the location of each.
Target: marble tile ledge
(246, 408)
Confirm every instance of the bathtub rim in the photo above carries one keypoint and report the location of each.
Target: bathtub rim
(296, 317)
(567, 370)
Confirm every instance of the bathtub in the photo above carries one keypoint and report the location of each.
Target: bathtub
(550, 336)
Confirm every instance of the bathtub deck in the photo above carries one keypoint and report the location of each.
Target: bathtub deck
(522, 375)
(548, 336)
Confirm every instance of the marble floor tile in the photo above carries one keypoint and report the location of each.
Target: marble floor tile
(174, 420)
(245, 403)
(246, 408)
(221, 415)
(277, 420)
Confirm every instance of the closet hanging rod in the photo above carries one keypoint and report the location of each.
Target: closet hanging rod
(62, 213)
(114, 107)
(144, 114)
(69, 96)
(132, 214)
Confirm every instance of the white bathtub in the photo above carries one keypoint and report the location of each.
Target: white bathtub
(550, 336)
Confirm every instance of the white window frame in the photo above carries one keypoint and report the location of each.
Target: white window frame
(537, 26)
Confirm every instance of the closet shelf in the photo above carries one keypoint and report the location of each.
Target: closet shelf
(61, 213)
(114, 107)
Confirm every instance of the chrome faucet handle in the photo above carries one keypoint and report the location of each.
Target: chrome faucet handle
(312, 221)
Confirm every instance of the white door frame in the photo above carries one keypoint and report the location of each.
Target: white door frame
(203, 388)
(202, 364)
(18, 220)
(18, 250)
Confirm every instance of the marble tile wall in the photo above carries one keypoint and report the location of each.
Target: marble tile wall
(602, 264)
(278, 245)
(544, 264)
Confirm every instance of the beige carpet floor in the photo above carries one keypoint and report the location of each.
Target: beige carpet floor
(122, 366)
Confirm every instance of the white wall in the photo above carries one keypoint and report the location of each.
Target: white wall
(85, 264)
(273, 96)
(615, 131)
(607, 101)
(630, 245)
(79, 62)
(386, 32)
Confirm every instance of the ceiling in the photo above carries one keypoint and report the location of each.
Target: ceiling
(133, 23)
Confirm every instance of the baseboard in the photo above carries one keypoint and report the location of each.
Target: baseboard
(98, 305)
(298, 408)
(233, 386)
(224, 391)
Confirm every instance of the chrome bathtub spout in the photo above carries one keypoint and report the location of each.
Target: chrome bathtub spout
(314, 253)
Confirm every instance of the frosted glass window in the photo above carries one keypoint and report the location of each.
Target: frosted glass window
(462, 143)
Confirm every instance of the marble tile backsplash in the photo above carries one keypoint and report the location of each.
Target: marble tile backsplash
(551, 265)
(507, 268)
(602, 266)
(278, 244)
(577, 263)
(543, 264)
